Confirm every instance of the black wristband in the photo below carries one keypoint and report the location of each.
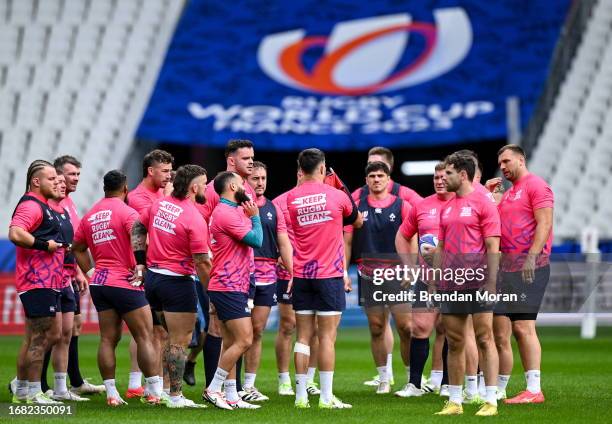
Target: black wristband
(141, 257)
(40, 245)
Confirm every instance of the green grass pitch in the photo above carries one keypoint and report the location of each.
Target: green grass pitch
(576, 379)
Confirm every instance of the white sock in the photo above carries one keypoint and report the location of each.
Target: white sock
(33, 388)
(230, 391)
(533, 381)
(249, 380)
(310, 374)
(301, 382)
(382, 373)
(111, 389)
(283, 378)
(22, 388)
(482, 390)
(471, 385)
(152, 385)
(491, 395)
(502, 382)
(436, 378)
(455, 394)
(217, 383)
(59, 387)
(326, 378)
(408, 374)
(390, 365)
(135, 380)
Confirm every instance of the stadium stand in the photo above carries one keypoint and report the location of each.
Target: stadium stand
(75, 77)
(574, 150)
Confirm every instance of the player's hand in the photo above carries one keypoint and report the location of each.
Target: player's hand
(493, 184)
(250, 208)
(348, 283)
(289, 285)
(81, 283)
(528, 270)
(427, 251)
(490, 288)
(137, 278)
(168, 188)
(53, 246)
(211, 309)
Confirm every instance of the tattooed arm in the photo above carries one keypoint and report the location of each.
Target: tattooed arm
(139, 246)
(139, 237)
(203, 266)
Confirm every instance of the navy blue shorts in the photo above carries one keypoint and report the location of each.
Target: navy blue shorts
(204, 303)
(230, 305)
(265, 295)
(118, 299)
(170, 293)
(40, 303)
(281, 292)
(528, 296)
(319, 295)
(67, 300)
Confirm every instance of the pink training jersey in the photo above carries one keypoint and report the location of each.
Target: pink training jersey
(405, 193)
(142, 198)
(176, 232)
(316, 211)
(265, 268)
(35, 269)
(106, 231)
(516, 210)
(281, 204)
(231, 257)
(465, 223)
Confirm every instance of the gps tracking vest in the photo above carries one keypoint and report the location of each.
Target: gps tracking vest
(269, 248)
(50, 227)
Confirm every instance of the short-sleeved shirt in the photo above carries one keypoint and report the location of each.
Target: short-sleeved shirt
(142, 198)
(265, 268)
(517, 210)
(231, 256)
(281, 203)
(106, 231)
(316, 211)
(35, 269)
(465, 223)
(176, 232)
(405, 193)
(424, 219)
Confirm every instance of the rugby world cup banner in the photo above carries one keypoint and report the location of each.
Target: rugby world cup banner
(351, 74)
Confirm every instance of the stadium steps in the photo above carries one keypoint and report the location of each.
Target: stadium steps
(574, 150)
(75, 78)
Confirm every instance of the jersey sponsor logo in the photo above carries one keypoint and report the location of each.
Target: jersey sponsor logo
(166, 215)
(378, 210)
(311, 209)
(466, 211)
(518, 194)
(100, 227)
(432, 212)
(365, 215)
(447, 211)
(361, 56)
(392, 217)
(269, 215)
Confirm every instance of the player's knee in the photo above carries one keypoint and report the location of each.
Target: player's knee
(455, 341)
(405, 330)
(287, 329)
(523, 330)
(377, 328)
(502, 341)
(484, 340)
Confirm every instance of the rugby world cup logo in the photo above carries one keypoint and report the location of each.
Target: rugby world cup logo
(362, 56)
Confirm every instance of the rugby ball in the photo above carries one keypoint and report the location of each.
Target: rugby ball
(427, 240)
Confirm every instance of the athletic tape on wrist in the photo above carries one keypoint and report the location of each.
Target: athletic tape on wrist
(90, 273)
(301, 348)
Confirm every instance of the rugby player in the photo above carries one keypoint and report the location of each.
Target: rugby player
(526, 212)
(275, 244)
(423, 221)
(374, 250)
(318, 213)
(382, 154)
(234, 233)
(71, 168)
(468, 239)
(177, 249)
(156, 177)
(35, 229)
(116, 288)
